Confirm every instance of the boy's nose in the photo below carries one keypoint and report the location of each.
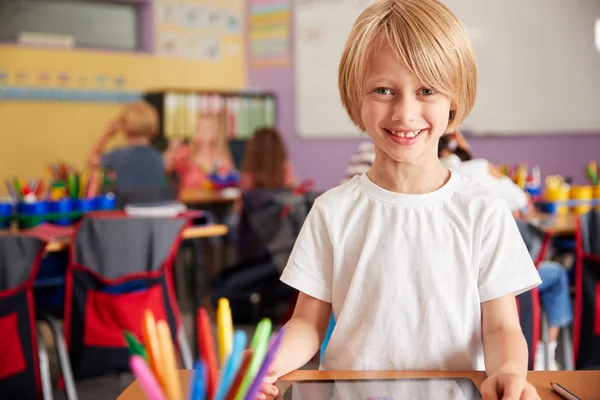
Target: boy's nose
(405, 110)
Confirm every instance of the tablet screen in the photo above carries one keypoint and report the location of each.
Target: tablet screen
(385, 389)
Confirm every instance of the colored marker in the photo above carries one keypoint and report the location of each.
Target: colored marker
(145, 378)
(207, 352)
(239, 376)
(224, 330)
(264, 368)
(152, 345)
(135, 347)
(259, 345)
(171, 378)
(197, 382)
(232, 365)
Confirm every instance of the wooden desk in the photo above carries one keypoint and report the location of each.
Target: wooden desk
(194, 232)
(585, 384)
(204, 197)
(555, 225)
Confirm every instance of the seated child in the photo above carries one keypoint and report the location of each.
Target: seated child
(483, 171)
(419, 265)
(137, 165)
(266, 164)
(207, 152)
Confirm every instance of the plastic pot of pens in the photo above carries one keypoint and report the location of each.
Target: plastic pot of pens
(231, 367)
(6, 214)
(32, 213)
(222, 180)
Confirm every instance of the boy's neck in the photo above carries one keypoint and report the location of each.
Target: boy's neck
(138, 140)
(408, 178)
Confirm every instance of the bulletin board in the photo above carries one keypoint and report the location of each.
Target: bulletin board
(210, 30)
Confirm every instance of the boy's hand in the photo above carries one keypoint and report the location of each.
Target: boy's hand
(505, 386)
(268, 389)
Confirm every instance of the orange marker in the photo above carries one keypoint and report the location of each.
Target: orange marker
(152, 345)
(171, 378)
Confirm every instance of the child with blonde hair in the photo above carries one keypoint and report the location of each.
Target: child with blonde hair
(206, 153)
(137, 165)
(418, 265)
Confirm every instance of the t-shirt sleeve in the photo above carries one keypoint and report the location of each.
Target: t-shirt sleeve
(505, 263)
(310, 266)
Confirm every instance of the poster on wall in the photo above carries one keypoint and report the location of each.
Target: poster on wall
(199, 29)
(269, 33)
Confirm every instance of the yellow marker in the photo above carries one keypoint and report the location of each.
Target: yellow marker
(224, 330)
(171, 378)
(152, 345)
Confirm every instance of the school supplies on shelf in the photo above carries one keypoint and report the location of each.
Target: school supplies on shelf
(591, 173)
(242, 370)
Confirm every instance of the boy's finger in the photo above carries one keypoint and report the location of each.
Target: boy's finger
(269, 389)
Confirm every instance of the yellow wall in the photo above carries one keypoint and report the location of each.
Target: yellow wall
(33, 134)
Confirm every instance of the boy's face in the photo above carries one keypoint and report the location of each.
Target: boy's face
(404, 117)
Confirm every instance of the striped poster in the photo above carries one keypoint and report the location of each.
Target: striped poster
(269, 33)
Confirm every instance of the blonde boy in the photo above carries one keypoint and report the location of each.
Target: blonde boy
(419, 266)
(137, 165)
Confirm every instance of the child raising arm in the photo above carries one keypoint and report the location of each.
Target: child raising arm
(419, 266)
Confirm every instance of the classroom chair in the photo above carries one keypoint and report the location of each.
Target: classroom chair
(586, 342)
(270, 222)
(119, 267)
(532, 316)
(24, 365)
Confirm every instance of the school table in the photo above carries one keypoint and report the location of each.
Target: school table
(194, 232)
(555, 225)
(198, 197)
(585, 384)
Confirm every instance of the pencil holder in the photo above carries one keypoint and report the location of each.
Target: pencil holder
(596, 195)
(33, 214)
(6, 211)
(581, 199)
(557, 200)
(84, 205)
(60, 208)
(105, 202)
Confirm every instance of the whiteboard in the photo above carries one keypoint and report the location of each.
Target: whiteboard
(321, 28)
(539, 68)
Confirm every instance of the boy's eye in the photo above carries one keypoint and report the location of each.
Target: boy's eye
(383, 91)
(427, 91)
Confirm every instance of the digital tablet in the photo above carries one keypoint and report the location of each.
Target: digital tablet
(385, 389)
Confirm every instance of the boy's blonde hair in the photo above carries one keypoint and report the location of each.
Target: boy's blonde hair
(427, 37)
(139, 118)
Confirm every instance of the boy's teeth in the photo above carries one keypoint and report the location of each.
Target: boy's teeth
(406, 134)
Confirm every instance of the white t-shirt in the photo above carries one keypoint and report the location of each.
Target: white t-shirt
(406, 274)
(479, 170)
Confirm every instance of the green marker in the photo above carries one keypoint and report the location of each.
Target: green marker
(259, 346)
(135, 347)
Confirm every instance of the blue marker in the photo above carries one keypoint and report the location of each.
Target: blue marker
(198, 382)
(232, 365)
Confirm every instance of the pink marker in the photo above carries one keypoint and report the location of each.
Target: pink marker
(146, 378)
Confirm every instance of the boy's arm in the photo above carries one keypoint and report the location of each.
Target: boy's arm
(504, 345)
(95, 157)
(304, 333)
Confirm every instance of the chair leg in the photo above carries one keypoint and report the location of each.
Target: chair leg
(184, 348)
(567, 348)
(545, 341)
(63, 356)
(47, 391)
